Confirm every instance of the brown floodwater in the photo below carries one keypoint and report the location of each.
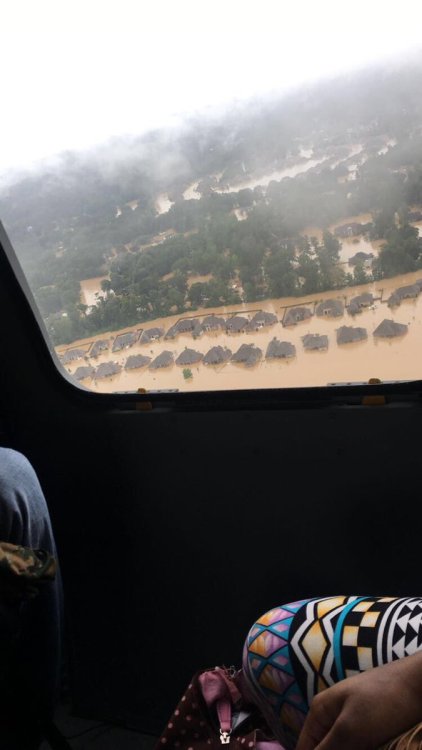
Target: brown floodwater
(265, 179)
(395, 359)
(191, 193)
(163, 203)
(90, 289)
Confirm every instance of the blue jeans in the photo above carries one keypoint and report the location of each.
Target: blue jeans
(30, 632)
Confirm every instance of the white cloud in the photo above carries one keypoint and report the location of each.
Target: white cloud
(76, 72)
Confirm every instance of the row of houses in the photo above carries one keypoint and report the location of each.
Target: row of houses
(235, 324)
(246, 354)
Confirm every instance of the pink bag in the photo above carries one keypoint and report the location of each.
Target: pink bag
(215, 711)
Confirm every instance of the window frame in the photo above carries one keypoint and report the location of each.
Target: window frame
(314, 397)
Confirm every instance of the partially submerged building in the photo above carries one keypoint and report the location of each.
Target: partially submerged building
(410, 291)
(135, 361)
(359, 303)
(296, 315)
(165, 359)
(247, 354)
(72, 355)
(81, 373)
(102, 345)
(124, 341)
(331, 308)
(237, 324)
(213, 323)
(261, 319)
(390, 329)
(217, 355)
(189, 357)
(280, 350)
(315, 341)
(151, 334)
(107, 370)
(350, 334)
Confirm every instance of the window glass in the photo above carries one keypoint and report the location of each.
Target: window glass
(214, 195)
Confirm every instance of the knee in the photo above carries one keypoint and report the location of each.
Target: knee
(15, 471)
(270, 633)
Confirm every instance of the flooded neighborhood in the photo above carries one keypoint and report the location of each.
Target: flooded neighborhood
(387, 358)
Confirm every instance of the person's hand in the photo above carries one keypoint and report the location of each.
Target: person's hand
(365, 711)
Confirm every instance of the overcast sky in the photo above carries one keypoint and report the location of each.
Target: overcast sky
(74, 72)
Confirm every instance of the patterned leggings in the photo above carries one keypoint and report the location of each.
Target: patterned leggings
(294, 651)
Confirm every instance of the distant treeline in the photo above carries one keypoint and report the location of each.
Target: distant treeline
(63, 222)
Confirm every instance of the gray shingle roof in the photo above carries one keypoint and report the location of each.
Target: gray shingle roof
(403, 292)
(296, 315)
(280, 350)
(189, 357)
(213, 323)
(315, 341)
(83, 372)
(107, 369)
(390, 329)
(236, 324)
(349, 334)
(124, 340)
(71, 355)
(333, 308)
(165, 359)
(99, 346)
(136, 360)
(151, 334)
(217, 355)
(261, 319)
(247, 354)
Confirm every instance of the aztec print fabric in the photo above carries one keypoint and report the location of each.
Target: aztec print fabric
(294, 651)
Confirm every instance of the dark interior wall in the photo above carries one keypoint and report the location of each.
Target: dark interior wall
(177, 526)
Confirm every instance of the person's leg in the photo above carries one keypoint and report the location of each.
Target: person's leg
(29, 684)
(296, 650)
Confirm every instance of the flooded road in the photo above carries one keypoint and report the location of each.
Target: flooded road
(278, 175)
(395, 359)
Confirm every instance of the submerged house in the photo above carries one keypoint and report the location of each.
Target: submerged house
(71, 355)
(350, 230)
(189, 357)
(197, 330)
(136, 361)
(165, 359)
(389, 329)
(359, 303)
(83, 372)
(151, 334)
(247, 354)
(213, 323)
(124, 341)
(237, 324)
(102, 345)
(280, 350)
(295, 315)
(261, 319)
(350, 335)
(314, 341)
(217, 355)
(107, 369)
(411, 291)
(172, 332)
(185, 325)
(332, 308)
(360, 257)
